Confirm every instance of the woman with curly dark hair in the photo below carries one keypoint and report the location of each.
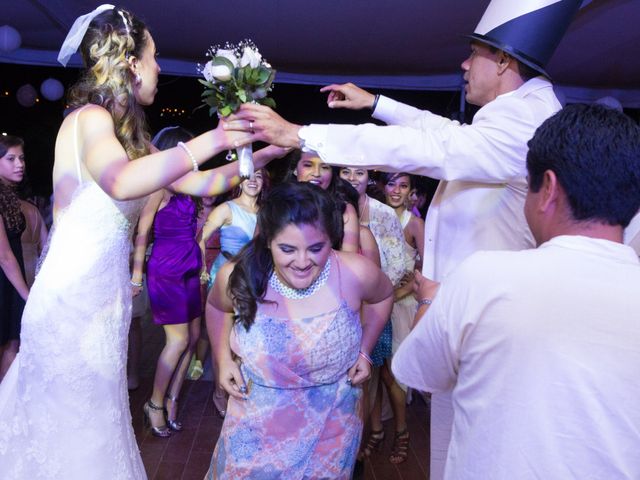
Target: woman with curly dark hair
(13, 287)
(288, 307)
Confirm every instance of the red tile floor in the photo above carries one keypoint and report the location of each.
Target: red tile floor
(186, 455)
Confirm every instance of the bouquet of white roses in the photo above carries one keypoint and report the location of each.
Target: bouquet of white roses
(236, 74)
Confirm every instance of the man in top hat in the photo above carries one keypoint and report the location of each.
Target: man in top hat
(541, 346)
(478, 203)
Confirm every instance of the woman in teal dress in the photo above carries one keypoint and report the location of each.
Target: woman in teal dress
(236, 220)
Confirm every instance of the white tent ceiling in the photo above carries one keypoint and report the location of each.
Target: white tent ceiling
(406, 44)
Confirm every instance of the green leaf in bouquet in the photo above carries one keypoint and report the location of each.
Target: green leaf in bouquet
(208, 93)
(225, 111)
(211, 101)
(206, 83)
(272, 77)
(212, 110)
(242, 95)
(269, 102)
(239, 75)
(262, 75)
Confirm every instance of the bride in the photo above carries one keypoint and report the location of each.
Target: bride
(64, 409)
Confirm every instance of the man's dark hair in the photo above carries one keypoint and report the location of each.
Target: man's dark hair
(594, 152)
(526, 72)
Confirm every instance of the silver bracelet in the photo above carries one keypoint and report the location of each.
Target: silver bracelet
(424, 301)
(135, 284)
(184, 147)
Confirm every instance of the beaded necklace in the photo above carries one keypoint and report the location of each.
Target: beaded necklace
(300, 293)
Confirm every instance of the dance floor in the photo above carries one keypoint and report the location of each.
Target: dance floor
(186, 455)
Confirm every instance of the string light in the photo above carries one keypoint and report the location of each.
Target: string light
(172, 112)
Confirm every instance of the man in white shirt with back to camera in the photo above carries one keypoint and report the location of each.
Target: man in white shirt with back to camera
(541, 347)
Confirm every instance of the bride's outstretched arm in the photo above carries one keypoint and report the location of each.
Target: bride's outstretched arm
(122, 179)
(222, 179)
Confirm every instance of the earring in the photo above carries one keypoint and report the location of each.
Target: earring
(138, 79)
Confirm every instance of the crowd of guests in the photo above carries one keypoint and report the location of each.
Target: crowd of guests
(315, 308)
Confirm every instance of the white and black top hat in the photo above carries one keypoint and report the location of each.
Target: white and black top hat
(529, 30)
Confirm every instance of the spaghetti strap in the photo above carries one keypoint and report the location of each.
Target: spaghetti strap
(338, 266)
(75, 143)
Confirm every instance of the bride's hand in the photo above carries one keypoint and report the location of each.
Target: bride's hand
(229, 139)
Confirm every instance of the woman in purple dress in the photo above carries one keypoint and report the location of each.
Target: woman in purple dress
(173, 283)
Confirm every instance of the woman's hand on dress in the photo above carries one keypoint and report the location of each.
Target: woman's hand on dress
(360, 372)
(230, 378)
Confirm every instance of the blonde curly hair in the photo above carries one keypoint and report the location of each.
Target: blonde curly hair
(108, 80)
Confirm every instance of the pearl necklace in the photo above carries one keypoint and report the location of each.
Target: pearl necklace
(300, 293)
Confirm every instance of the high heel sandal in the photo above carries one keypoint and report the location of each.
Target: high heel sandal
(375, 442)
(161, 431)
(400, 450)
(220, 404)
(173, 424)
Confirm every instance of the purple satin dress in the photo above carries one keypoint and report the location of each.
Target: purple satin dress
(173, 268)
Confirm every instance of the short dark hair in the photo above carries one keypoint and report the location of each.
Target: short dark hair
(594, 152)
(526, 72)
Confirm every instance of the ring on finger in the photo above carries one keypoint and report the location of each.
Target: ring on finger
(251, 127)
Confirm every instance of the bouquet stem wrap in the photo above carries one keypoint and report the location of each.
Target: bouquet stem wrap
(245, 160)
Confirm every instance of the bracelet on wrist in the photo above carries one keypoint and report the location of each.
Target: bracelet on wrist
(366, 357)
(135, 284)
(375, 102)
(424, 301)
(188, 151)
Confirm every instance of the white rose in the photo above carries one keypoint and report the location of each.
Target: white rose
(207, 73)
(221, 73)
(229, 55)
(250, 57)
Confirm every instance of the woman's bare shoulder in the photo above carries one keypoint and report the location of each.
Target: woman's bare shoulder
(357, 264)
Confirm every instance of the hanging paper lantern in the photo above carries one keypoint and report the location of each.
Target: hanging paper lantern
(10, 39)
(27, 95)
(52, 89)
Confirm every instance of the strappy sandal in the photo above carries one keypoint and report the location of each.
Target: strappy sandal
(374, 443)
(173, 423)
(400, 450)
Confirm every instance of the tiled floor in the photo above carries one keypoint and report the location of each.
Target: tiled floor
(186, 455)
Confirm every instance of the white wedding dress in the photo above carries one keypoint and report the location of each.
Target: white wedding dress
(64, 406)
